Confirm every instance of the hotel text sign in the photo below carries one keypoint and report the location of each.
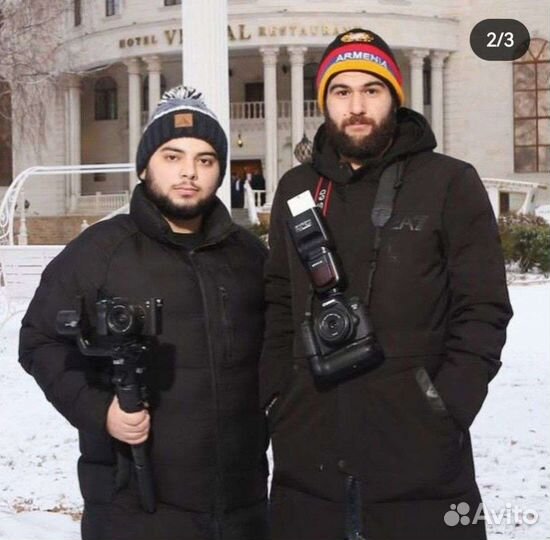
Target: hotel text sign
(239, 33)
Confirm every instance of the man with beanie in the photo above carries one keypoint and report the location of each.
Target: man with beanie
(203, 432)
(381, 451)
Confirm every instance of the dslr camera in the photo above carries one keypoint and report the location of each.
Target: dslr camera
(339, 340)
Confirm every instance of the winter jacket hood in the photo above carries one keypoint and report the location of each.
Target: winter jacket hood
(413, 135)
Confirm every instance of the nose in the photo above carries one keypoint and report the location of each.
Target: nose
(188, 169)
(357, 103)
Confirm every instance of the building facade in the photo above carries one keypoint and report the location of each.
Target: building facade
(124, 53)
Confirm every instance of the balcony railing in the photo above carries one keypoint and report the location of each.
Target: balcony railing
(252, 110)
(100, 203)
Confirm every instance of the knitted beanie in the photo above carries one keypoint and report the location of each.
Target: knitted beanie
(181, 112)
(359, 50)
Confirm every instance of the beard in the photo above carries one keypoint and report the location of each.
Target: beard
(367, 146)
(172, 210)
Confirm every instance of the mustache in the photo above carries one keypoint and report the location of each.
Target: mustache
(186, 183)
(358, 120)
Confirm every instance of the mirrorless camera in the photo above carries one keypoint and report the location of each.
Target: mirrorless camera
(117, 317)
(339, 339)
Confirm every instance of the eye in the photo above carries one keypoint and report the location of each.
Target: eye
(171, 157)
(372, 91)
(339, 92)
(207, 161)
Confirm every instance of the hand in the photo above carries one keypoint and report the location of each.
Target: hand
(131, 428)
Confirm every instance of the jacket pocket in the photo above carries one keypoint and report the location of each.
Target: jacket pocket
(415, 446)
(429, 391)
(242, 329)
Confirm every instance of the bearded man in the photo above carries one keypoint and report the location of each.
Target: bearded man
(204, 430)
(383, 453)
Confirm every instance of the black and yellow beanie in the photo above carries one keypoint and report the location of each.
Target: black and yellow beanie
(359, 50)
(181, 112)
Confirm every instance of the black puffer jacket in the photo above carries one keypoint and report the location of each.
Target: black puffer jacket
(439, 307)
(208, 436)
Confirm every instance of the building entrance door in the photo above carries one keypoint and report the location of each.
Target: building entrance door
(242, 169)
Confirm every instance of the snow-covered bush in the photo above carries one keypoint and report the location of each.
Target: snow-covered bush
(525, 242)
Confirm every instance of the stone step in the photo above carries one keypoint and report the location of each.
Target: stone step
(240, 216)
(60, 230)
(53, 230)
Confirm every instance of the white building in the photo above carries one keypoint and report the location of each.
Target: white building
(495, 115)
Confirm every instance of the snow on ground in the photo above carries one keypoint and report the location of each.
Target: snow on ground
(38, 449)
(511, 435)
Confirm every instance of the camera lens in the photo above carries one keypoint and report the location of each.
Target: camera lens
(334, 326)
(121, 319)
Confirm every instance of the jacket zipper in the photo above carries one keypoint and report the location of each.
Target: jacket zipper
(218, 502)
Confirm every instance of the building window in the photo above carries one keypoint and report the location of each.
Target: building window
(172, 2)
(254, 91)
(105, 92)
(427, 82)
(77, 12)
(112, 7)
(532, 109)
(145, 95)
(310, 72)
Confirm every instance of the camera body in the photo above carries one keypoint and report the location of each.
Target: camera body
(116, 318)
(120, 317)
(339, 340)
(341, 322)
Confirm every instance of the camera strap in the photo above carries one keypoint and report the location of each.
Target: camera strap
(322, 194)
(388, 186)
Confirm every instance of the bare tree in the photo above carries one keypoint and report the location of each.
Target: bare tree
(32, 60)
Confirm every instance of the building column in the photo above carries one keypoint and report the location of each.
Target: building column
(205, 61)
(74, 135)
(134, 113)
(297, 95)
(154, 69)
(437, 59)
(269, 57)
(416, 59)
(494, 198)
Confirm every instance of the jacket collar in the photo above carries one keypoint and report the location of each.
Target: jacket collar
(216, 225)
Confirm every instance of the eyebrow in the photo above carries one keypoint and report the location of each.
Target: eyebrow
(348, 87)
(180, 151)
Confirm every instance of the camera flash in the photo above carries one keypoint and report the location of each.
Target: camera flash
(302, 202)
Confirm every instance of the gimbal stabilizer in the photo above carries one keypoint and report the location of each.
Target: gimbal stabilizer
(127, 351)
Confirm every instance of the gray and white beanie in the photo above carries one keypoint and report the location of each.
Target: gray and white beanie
(181, 112)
